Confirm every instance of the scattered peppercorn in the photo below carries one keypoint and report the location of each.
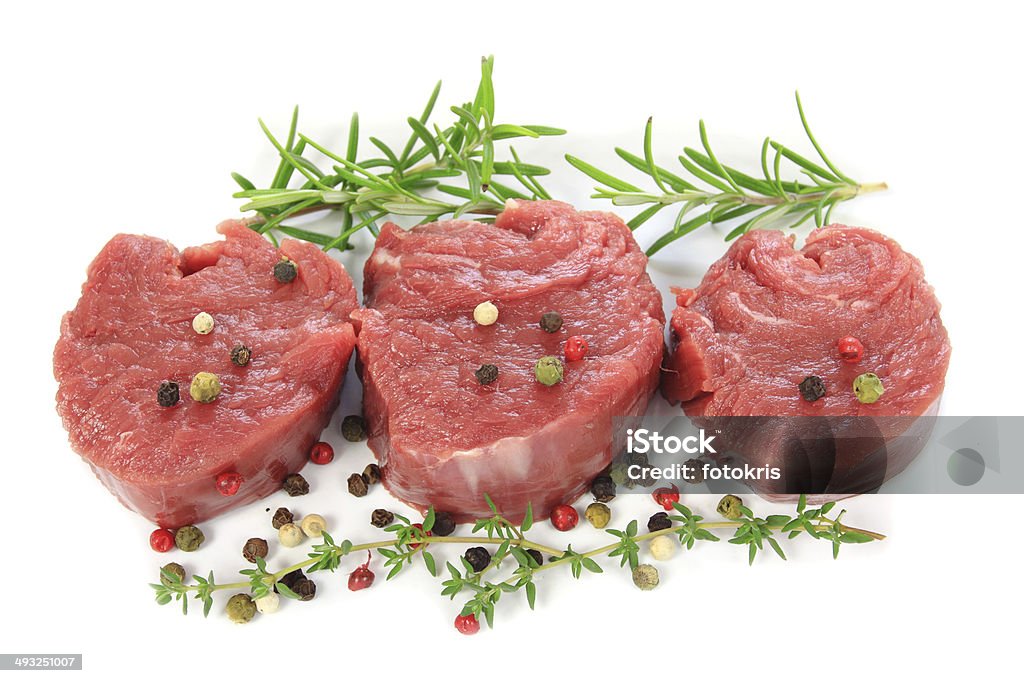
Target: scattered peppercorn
(536, 555)
(202, 323)
(619, 473)
(358, 485)
(253, 548)
(372, 474)
(485, 314)
(478, 558)
(467, 624)
(666, 496)
(662, 547)
(729, 507)
(551, 322)
(575, 349)
(602, 488)
(353, 428)
(295, 485)
(281, 517)
(313, 526)
(321, 453)
(598, 514)
(305, 589)
(285, 271)
(868, 387)
(444, 524)
(361, 577)
(205, 387)
(812, 388)
(564, 517)
(694, 471)
(189, 538)
(241, 609)
(168, 394)
(382, 518)
(850, 349)
(290, 535)
(659, 521)
(228, 483)
(486, 374)
(268, 604)
(161, 540)
(175, 570)
(241, 355)
(549, 371)
(645, 577)
(290, 579)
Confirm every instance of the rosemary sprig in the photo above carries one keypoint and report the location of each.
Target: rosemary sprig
(409, 540)
(717, 194)
(421, 180)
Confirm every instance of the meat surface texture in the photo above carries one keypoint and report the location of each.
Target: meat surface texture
(132, 329)
(444, 439)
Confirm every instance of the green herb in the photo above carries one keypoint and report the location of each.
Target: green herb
(716, 194)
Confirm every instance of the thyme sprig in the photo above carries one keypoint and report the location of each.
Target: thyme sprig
(717, 194)
(450, 170)
(409, 540)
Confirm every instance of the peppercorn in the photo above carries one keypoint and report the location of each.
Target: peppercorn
(161, 540)
(693, 471)
(353, 428)
(729, 507)
(168, 394)
(361, 577)
(290, 579)
(551, 322)
(202, 323)
(645, 577)
(487, 373)
(666, 496)
(305, 589)
(419, 526)
(602, 488)
(175, 570)
(478, 558)
(485, 314)
(228, 483)
(619, 473)
(268, 604)
(372, 474)
(285, 271)
(575, 349)
(598, 514)
(189, 538)
(536, 555)
(295, 485)
(564, 517)
(444, 524)
(313, 526)
(205, 387)
(281, 517)
(662, 547)
(868, 387)
(253, 548)
(549, 371)
(241, 355)
(382, 518)
(659, 521)
(467, 624)
(321, 453)
(358, 485)
(851, 349)
(290, 535)
(812, 388)
(241, 609)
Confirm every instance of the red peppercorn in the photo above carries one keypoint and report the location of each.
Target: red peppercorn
(161, 540)
(414, 546)
(665, 496)
(321, 453)
(467, 624)
(850, 349)
(575, 348)
(361, 577)
(228, 483)
(564, 517)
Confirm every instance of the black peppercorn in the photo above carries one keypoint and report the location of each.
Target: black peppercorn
(812, 388)
(382, 518)
(167, 395)
(372, 474)
(290, 579)
(353, 428)
(295, 485)
(253, 548)
(241, 355)
(602, 488)
(659, 521)
(357, 485)
(305, 589)
(444, 525)
(285, 271)
(551, 322)
(281, 517)
(694, 470)
(478, 558)
(487, 373)
(536, 555)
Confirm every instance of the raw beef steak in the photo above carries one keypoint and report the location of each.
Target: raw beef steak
(445, 439)
(132, 329)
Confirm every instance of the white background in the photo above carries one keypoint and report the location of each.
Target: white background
(125, 118)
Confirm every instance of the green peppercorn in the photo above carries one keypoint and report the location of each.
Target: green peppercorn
(253, 548)
(487, 373)
(241, 355)
(281, 517)
(372, 474)
(549, 371)
(295, 485)
(175, 570)
(241, 609)
(189, 538)
(619, 473)
(598, 514)
(602, 488)
(353, 428)
(205, 387)
(868, 387)
(168, 394)
(285, 271)
(444, 524)
(358, 486)
(812, 388)
(478, 558)
(645, 577)
(536, 555)
(729, 507)
(382, 518)
(659, 521)
(551, 322)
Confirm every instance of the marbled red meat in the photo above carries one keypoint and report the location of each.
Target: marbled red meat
(444, 439)
(132, 329)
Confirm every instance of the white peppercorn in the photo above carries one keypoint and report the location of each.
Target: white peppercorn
(313, 526)
(290, 535)
(662, 547)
